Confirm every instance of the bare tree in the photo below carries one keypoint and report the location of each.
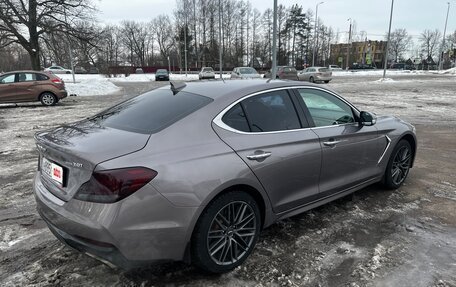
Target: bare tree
(165, 39)
(35, 18)
(429, 42)
(138, 38)
(399, 44)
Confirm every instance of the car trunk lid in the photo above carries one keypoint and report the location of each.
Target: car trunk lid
(77, 149)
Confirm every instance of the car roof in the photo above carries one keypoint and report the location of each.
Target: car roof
(25, 71)
(237, 88)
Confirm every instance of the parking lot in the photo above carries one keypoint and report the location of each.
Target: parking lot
(374, 237)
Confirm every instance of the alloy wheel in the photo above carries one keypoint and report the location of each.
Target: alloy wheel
(401, 165)
(231, 233)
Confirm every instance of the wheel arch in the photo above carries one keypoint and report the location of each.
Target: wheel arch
(263, 205)
(411, 139)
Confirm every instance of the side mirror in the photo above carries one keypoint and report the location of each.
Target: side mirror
(367, 119)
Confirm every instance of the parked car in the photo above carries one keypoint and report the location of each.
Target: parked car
(357, 66)
(402, 66)
(206, 73)
(316, 74)
(244, 73)
(137, 182)
(93, 70)
(335, 68)
(284, 72)
(57, 70)
(80, 70)
(139, 71)
(31, 86)
(162, 75)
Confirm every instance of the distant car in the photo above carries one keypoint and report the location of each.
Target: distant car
(284, 72)
(80, 70)
(402, 66)
(206, 73)
(139, 71)
(31, 86)
(93, 70)
(316, 74)
(244, 73)
(58, 70)
(162, 75)
(357, 66)
(335, 68)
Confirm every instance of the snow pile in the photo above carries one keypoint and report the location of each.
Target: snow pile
(385, 80)
(451, 71)
(91, 87)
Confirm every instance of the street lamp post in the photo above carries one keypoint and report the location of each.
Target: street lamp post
(388, 40)
(274, 43)
(220, 40)
(348, 44)
(443, 42)
(185, 38)
(315, 33)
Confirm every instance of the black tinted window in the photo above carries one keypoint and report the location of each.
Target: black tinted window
(236, 119)
(41, 77)
(151, 112)
(272, 111)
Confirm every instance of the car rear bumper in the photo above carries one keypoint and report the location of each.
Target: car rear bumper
(322, 78)
(133, 232)
(62, 94)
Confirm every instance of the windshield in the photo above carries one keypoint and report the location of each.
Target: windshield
(161, 71)
(151, 112)
(247, 71)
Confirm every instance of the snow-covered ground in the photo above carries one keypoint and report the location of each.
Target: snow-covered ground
(94, 85)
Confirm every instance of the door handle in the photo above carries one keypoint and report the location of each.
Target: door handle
(259, 156)
(331, 143)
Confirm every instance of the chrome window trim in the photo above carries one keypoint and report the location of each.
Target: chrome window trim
(218, 118)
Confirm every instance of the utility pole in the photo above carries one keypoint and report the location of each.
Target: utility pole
(348, 44)
(274, 43)
(185, 38)
(388, 40)
(443, 42)
(315, 33)
(220, 39)
(194, 31)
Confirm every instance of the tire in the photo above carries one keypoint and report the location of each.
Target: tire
(48, 99)
(311, 79)
(398, 165)
(231, 243)
(326, 82)
(67, 73)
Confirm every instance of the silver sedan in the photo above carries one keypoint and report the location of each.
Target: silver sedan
(194, 171)
(316, 74)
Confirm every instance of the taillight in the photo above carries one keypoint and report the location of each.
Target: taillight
(57, 81)
(113, 185)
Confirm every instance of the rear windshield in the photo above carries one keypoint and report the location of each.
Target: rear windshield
(248, 71)
(208, 70)
(151, 112)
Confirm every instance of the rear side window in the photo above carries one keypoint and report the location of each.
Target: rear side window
(41, 77)
(322, 70)
(27, 77)
(271, 111)
(151, 112)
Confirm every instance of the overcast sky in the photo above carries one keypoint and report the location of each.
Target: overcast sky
(371, 16)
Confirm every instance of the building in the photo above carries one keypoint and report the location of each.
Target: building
(367, 52)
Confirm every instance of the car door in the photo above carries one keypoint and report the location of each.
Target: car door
(304, 76)
(8, 89)
(26, 86)
(272, 137)
(350, 151)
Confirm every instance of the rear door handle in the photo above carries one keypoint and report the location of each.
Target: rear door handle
(259, 156)
(331, 143)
